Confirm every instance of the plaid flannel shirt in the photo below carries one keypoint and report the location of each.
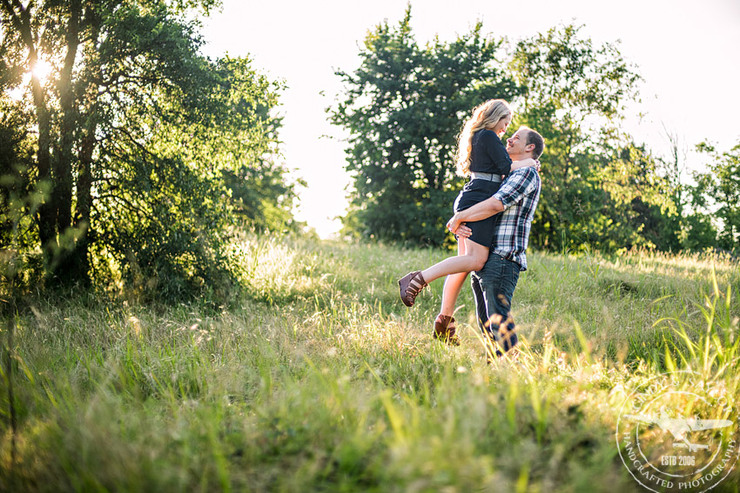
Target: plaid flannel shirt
(519, 194)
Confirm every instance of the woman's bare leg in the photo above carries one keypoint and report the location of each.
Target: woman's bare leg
(450, 292)
(471, 256)
(453, 285)
(444, 325)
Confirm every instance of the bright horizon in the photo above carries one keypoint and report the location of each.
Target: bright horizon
(685, 52)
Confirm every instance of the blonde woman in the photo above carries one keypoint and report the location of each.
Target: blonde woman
(482, 156)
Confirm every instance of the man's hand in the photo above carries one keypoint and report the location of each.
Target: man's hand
(463, 231)
(457, 227)
(454, 223)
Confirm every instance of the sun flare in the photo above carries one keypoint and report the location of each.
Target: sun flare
(41, 70)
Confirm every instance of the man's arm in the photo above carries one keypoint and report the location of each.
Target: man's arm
(478, 212)
(525, 162)
(512, 190)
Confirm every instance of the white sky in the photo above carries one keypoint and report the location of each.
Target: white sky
(686, 51)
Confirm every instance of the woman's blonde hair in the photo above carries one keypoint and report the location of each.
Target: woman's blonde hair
(485, 115)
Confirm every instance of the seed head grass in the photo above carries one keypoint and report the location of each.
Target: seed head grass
(319, 379)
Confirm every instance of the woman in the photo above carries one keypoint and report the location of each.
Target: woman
(481, 155)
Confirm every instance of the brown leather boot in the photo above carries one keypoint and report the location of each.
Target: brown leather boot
(444, 330)
(411, 285)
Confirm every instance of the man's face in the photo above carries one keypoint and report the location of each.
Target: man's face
(516, 144)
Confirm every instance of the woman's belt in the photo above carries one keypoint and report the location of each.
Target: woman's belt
(476, 175)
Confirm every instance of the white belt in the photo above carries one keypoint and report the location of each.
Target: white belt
(476, 175)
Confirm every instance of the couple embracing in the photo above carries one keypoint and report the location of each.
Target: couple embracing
(492, 221)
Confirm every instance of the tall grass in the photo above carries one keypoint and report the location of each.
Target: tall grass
(321, 380)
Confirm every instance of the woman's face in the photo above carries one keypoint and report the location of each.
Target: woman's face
(502, 125)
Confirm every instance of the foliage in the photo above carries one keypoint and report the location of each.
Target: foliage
(142, 148)
(15, 177)
(717, 193)
(403, 107)
(597, 183)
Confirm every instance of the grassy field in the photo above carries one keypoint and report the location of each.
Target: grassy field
(321, 380)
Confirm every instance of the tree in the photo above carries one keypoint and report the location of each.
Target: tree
(135, 139)
(405, 104)
(644, 209)
(673, 222)
(718, 192)
(575, 95)
(403, 108)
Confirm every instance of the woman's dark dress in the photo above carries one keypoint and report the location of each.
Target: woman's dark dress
(488, 155)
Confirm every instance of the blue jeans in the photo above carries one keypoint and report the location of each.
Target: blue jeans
(493, 288)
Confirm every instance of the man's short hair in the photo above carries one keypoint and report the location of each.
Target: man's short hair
(536, 139)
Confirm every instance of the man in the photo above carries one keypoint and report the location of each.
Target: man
(494, 285)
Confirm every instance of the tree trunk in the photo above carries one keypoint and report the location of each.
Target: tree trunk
(63, 169)
(66, 270)
(21, 20)
(46, 214)
(84, 206)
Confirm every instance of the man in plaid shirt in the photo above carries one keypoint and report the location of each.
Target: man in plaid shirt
(516, 200)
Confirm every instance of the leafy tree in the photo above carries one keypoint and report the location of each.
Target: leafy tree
(647, 198)
(403, 108)
(135, 139)
(260, 195)
(698, 232)
(15, 155)
(595, 179)
(718, 193)
(669, 224)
